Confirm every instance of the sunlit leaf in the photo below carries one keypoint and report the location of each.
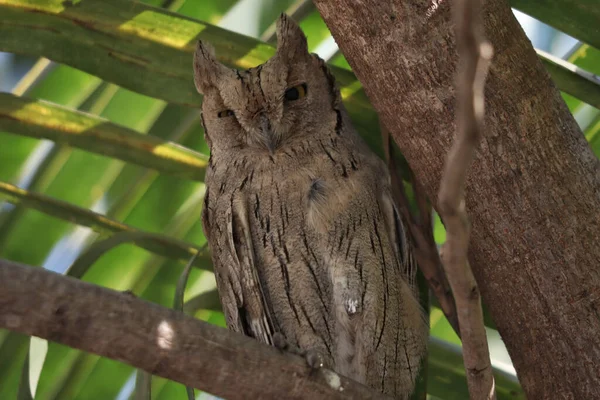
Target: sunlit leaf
(580, 19)
(44, 120)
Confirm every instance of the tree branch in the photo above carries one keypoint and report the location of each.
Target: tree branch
(475, 55)
(158, 340)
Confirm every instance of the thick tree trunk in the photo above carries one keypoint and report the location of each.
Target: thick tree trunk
(533, 192)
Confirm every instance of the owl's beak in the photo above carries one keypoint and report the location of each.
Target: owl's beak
(271, 139)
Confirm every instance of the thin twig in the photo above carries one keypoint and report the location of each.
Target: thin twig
(203, 301)
(424, 207)
(474, 58)
(182, 282)
(421, 233)
(178, 302)
(143, 385)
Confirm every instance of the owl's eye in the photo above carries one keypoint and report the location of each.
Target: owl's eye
(296, 92)
(225, 113)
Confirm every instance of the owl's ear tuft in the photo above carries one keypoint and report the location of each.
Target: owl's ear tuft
(291, 42)
(207, 69)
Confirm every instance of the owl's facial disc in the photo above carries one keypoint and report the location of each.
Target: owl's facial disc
(267, 107)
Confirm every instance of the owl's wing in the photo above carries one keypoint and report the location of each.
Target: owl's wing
(239, 285)
(399, 241)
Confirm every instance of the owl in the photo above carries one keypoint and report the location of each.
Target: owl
(306, 241)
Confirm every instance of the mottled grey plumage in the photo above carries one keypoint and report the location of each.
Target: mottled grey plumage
(305, 237)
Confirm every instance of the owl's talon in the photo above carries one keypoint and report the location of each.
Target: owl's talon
(279, 342)
(314, 359)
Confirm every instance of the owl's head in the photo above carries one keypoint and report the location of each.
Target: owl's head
(290, 96)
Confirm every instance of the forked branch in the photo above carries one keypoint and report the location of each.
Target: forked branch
(474, 58)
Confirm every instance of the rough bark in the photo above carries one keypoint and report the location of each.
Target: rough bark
(533, 191)
(158, 340)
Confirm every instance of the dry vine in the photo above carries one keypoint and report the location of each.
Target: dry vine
(474, 59)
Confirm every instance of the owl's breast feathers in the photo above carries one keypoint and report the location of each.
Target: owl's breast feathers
(309, 244)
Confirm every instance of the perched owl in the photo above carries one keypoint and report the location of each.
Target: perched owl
(305, 238)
